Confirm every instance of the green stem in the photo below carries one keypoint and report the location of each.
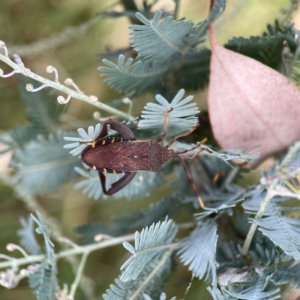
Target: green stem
(60, 87)
(70, 252)
(259, 215)
(81, 249)
(176, 12)
(78, 274)
(151, 275)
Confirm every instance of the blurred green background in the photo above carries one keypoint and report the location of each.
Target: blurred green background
(25, 22)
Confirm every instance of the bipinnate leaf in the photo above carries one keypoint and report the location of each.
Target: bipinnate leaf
(281, 230)
(44, 230)
(163, 296)
(288, 273)
(43, 166)
(150, 244)
(258, 287)
(27, 236)
(181, 117)
(159, 40)
(217, 9)
(150, 281)
(133, 77)
(43, 282)
(199, 251)
(217, 294)
(135, 220)
(258, 291)
(251, 104)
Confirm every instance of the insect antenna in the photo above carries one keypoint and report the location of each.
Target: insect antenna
(192, 181)
(191, 149)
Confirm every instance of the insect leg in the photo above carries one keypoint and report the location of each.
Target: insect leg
(188, 150)
(118, 185)
(192, 181)
(117, 126)
(166, 123)
(181, 135)
(193, 148)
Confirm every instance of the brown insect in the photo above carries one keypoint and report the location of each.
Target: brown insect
(129, 156)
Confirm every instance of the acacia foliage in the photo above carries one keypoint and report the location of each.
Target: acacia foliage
(171, 56)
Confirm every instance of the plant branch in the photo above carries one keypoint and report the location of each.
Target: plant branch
(78, 274)
(274, 190)
(21, 69)
(70, 252)
(176, 12)
(59, 39)
(153, 273)
(259, 215)
(77, 249)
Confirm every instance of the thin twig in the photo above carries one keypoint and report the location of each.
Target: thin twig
(65, 36)
(176, 11)
(78, 275)
(113, 241)
(259, 215)
(281, 172)
(69, 252)
(60, 87)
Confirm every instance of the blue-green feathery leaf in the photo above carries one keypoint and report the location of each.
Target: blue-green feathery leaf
(136, 220)
(217, 9)
(42, 111)
(89, 136)
(199, 251)
(158, 45)
(217, 294)
(78, 143)
(193, 73)
(27, 236)
(181, 118)
(290, 165)
(239, 280)
(262, 289)
(283, 231)
(150, 244)
(163, 296)
(287, 273)
(254, 198)
(199, 32)
(91, 185)
(43, 282)
(132, 78)
(276, 48)
(42, 108)
(292, 158)
(43, 165)
(21, 135)
(150, 281)
(159, 41)
(242, 155)
(44, 230)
